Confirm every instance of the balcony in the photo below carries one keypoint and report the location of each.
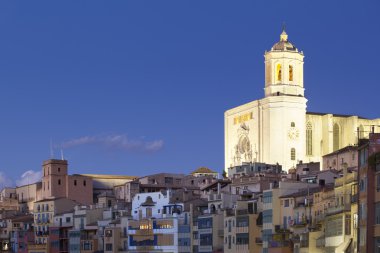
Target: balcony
(42, 233)
(215, 197)
(242, 212)
(259, 240)
(221, 232)
(299, 223)
(339, 209)
(36, 247)
(279, 244)
(319, 218)
(88, 237)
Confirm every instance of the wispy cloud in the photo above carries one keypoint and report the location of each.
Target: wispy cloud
(116, 141)
(29, 177)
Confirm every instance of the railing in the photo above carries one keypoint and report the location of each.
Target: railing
(88, 237)
(242, 212)
(299, 223)
(319, 218)
(339, 209)
(279, 244)
(42, 233)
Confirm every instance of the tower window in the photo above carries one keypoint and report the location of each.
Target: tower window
(309, 139)
(59, 181)
(278, 72)
(84, 182)
(59, 169)
(75, 182)
(336, 137)
(293, 154)
(290, 73)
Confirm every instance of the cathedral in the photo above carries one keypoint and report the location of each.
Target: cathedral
(278, 128)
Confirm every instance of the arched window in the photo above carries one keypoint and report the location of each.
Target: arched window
(336, 137)
(293, 154)
(278, 72)
(309, 139)
(290, 73)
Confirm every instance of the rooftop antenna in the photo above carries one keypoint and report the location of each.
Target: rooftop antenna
(51, 149)
(283, 26)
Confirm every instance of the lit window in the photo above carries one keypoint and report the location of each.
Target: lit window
(290, 73)
(279, 72)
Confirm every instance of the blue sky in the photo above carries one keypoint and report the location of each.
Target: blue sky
(139, 87)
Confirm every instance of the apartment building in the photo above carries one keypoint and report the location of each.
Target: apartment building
(276, 238)
(242, 227)
(369, 195)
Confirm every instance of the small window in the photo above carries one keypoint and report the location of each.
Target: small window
(84, 182)
(68, 219)
(108, 233)
(59, 181)
(59, 169)
(109, 246)
(75, 182)
(293, 154)
(293, 124)
(290, 73)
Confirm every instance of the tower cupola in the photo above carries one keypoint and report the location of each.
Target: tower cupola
(284, 69)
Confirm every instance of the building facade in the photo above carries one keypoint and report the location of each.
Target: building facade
(277, 128)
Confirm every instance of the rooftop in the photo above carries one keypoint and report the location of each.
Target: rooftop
(203, 170)
(100, 176)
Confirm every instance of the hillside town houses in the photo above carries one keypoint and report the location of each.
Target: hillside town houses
(293, 181)
(255, 207)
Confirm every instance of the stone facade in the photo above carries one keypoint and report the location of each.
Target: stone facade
(277, 128)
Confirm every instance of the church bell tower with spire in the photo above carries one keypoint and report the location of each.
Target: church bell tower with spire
(284, 105)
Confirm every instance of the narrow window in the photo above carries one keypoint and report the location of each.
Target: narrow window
(309, 139)
(293, 124)
(84, 182)
(75, 182)
(293, 154)
(336, 137)
(290, 73)
(279, 72)
(59, 169)
(59, 181)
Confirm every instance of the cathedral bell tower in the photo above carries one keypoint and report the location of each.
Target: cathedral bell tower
(284, 105)
(284, 69)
